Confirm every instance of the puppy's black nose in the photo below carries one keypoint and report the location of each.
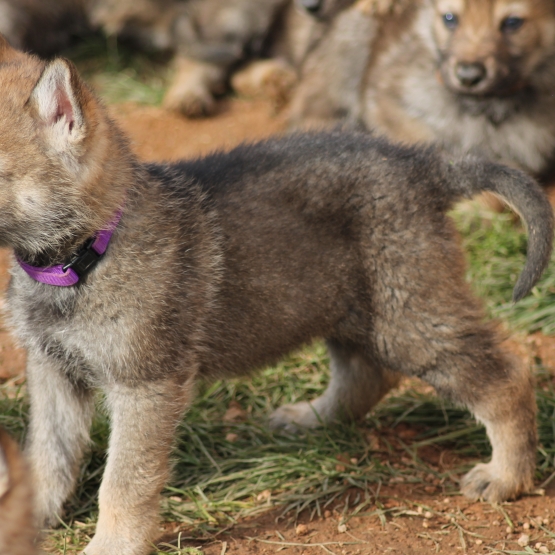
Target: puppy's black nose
(311, 6)
(470, 75)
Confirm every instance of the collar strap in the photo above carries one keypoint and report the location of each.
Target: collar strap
(66, 275)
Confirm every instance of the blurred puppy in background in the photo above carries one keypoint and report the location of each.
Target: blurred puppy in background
(474, 75)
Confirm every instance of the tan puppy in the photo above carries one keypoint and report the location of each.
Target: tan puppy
(475, 75)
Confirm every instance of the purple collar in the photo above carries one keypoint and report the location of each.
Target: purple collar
(66, 275)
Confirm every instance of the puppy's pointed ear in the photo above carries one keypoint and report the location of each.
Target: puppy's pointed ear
(7, 52)
(57, 102)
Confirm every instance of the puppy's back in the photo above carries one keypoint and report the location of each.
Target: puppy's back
(17, 532)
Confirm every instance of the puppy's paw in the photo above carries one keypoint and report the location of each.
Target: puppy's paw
(116, 545)
(48, 505)
(486, 482)
(273, 79)
(192, 102)
(294, 418)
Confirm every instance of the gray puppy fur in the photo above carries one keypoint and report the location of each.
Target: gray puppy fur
(222, 265)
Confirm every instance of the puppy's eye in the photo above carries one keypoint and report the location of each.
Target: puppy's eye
(450, 20)
(511, 24)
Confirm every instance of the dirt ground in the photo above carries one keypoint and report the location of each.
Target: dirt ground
(411, 520)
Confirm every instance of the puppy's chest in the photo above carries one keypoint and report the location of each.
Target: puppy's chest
(87, 340)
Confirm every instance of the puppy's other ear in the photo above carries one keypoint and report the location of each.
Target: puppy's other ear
(57, 103)
(7, 52)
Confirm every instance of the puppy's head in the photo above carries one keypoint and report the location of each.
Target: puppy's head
(58, 155)
(492, 47)
(223, 33)
(144, 23)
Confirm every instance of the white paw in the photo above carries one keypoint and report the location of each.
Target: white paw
(293, 418)
(193, 102)
(486, 482)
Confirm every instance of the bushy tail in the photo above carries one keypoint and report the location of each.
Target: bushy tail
(471, 176)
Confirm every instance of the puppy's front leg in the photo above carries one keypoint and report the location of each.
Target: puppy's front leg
(61, 415)
(144, 418)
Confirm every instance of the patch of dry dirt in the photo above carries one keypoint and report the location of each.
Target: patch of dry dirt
(411, 522)
(414, 520)
(157, 135)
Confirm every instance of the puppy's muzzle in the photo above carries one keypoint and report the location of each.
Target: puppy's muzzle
(470, 75)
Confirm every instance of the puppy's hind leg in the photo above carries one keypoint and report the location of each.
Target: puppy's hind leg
(500, 393)
(462, 358)
(61, 415)
(356, 385)
(508, 410)
(144, 417)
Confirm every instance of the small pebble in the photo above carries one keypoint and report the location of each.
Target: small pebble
(523, 540)
(526, 526)
(509, 530)
(342, 528)
(543, 549)
(428, 514)
(301, 530)
(479, 542)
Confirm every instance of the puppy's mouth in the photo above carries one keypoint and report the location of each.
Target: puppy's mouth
(480, 79)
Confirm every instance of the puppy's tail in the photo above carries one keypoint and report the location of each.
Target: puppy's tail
(17, 532)
(471, 176)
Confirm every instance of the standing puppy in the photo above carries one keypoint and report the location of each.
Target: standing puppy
(139, 279)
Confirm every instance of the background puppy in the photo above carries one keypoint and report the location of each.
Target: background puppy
(475, 75)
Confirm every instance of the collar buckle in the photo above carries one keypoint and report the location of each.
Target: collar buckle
(85, 260)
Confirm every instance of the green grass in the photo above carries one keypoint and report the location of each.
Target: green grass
(496, 249)
(119, 73)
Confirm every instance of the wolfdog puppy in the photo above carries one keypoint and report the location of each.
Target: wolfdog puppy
(17, 531)
(475, 75)
(140, 279)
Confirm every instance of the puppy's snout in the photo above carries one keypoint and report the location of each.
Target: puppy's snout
(470, 74)
(311, 6)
